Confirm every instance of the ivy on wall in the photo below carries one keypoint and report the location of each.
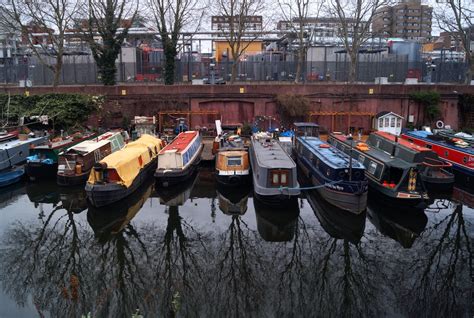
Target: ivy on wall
(429, 100)
(66, 110)
(292, 106)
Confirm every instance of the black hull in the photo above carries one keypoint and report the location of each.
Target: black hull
(39, 170)
(70, 181)
(233, 181)
(278, 202)
(172, 178)
(106, 194)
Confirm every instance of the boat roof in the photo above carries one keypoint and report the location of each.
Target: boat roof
(402, 142)
(424, 135)
(181, 142)
(62, 143)
(271, 155)
(16, 142)
(88, 146)
(331, 156)
(377, 154)
(231, 152)
(305, 124)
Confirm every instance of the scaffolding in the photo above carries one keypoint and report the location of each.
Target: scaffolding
(342, 113)
(185, 114)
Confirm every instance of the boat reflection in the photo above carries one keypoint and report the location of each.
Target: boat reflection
(403, 226)
(338, 223)
(10, 194)
(233, 201)
(178, 194)
(112, 219)
(71, 199)
(276, 226)
(463, 196)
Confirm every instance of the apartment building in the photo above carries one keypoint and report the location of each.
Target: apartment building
(409, 19)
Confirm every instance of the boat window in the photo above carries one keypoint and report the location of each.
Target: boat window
(234, 161)
(361, 159)
(392, 122)
(410, 140)
(428, 146)
(378, 143)
(275, 179)
(380, 122)
(372, 167)
(395, 174)
(284, 178)
(446, 153)
(386, 122)
(464, 159)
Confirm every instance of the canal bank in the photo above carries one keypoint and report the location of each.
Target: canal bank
(336, 106)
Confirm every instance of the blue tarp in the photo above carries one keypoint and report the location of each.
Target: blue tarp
(35, 158)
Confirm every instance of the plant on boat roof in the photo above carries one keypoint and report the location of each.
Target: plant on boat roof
(292, 106)
(430, 101)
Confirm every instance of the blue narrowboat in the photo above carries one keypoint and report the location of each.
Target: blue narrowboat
(339, 179)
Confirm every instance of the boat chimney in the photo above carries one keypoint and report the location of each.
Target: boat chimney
(395, 146)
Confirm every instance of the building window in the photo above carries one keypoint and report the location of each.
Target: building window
(392, 122)
(399, 122)
(386, 122)
(380, 122)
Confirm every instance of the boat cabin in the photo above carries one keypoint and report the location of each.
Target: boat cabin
(388, 122)
(306, 129)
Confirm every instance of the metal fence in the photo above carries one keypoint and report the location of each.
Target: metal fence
(248, 71)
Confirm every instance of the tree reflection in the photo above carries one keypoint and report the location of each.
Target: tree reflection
(441, 273)
(45, 259)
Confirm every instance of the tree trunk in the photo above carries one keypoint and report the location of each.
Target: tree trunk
(170, 55)
(58, 68)
(299, 65)
(353, 66)
(107, 68)
(234, 69)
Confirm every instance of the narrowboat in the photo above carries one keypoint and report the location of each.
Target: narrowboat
(273, 170)
(392, 177)
(179, 159)
(119, 174)
(75, 164)
(433, 171)
(43, 160)
(456, 151)
(339, 178)
(14, 152)
(232, 162)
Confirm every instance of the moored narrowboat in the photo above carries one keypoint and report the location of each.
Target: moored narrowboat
(122, 172)
(433, 171)
(453, 150)
(396, 179)
(75, 164)
(273, 170)
(338, 178)
(43, 160)
(14, 152)
(179, 159)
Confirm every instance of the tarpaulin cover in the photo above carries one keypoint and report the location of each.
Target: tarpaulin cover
(128, 161)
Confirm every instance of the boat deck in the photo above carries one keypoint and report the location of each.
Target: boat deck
(332, 156)
(377, 154)
(13, 143)
(402, 142)
(271, 155)
(423, 135)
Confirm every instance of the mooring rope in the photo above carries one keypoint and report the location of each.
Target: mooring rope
(309, 188)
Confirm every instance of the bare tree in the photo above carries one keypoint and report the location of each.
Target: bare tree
(457, 18)
(237, 29)
(295, 14)
(355, 18)
(50, 17)
(171, 17)
(109, 20)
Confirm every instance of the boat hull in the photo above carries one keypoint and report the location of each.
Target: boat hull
(40, 170)
(278, 201)
(442, 183)
(72, 180)
(172, 177)
(105, 194)
(235, 180)
(11, 177)
(339, 195)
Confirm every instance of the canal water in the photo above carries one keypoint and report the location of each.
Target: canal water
(201, 251)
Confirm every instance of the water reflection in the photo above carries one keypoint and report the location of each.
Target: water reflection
(166, 257)
(402, 226)
(8, 195)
